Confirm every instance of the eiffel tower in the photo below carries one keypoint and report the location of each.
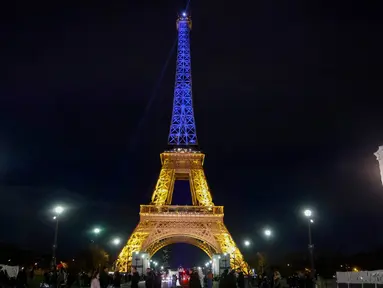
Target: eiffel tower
(162, 223)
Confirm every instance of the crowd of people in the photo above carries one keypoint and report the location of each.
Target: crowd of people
(101, 278)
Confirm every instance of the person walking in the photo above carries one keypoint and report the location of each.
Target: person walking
(95, 283)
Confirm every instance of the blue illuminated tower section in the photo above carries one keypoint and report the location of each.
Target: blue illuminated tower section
(182, 128)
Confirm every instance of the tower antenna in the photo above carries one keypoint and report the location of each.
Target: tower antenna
(182, 128)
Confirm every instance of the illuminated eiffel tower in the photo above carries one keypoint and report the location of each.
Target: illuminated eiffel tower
(161, 223)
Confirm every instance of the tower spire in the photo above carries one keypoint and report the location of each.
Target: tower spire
(182, 127)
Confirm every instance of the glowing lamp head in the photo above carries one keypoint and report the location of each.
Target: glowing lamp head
(308, 213)
(247, 243)
(267, 232)
(96, 230)
(116, 241)
(184, 14)
(58, 210)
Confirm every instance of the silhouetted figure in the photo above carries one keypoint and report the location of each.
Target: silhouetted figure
(116, 279)
(174, 281)
(149, 279)
(240, 279)
(21, 280)
(4, 278)
(223, 279)
(231, 281)
(158, 281)
(135, 278)
(194, 281)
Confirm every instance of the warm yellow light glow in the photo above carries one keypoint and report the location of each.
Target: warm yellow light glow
(162, 224)
(186, 166)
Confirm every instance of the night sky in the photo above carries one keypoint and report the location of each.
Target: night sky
(287, 99)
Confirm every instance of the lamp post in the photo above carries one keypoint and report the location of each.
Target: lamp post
(57, 210)
(308, 214)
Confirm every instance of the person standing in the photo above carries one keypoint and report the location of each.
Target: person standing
(135, 278)
(104, 278)
(240, 279)
(209, 277)
(231, 280)
(117, 279)
(150, 278)
(95, 283)
(277, 280)
(158, 280)
(194, 281)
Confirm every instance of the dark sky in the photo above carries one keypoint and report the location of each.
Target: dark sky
(287, 100)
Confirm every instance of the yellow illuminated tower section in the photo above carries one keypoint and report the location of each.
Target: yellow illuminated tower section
(162, 223)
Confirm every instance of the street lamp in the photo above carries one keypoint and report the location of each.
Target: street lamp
(96, 230)
(57, 210)
(116, 241)
(247, 243)
(267, 233)
(308, 214)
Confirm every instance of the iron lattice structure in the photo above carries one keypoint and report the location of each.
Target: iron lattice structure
(161, 223)
(182, 128)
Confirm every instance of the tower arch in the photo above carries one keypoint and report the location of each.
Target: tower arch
(155, 246)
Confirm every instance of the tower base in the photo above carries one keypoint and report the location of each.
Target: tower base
(200, 226)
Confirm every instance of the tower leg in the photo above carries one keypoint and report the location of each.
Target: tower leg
(199, 188)
(228, 246)
(139, 235)
(163, 192)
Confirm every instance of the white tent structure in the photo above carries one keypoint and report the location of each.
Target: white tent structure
(361, 278)
(12, 271)
(379, 157)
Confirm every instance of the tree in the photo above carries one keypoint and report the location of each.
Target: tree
(261, 263)
(93, 257)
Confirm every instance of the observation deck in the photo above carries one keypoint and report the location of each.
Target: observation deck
(181, 211)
